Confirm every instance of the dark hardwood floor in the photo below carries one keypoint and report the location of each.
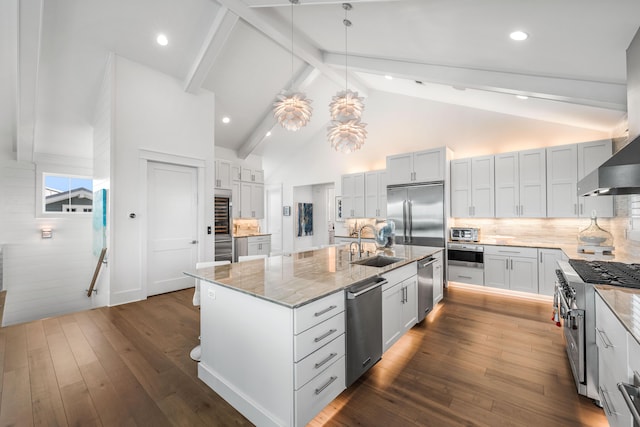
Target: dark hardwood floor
(480, 359)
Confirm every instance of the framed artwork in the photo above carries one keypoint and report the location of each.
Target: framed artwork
(339, 217)
(305, 219)
(286, 211)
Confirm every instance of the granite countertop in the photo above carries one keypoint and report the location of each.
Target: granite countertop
(571, 250)
(297, 279)
(625, 303)
(251, 234)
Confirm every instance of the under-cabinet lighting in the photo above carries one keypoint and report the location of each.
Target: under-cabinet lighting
(519, 35)
(388, 77)
(47, 233)
(522, 97)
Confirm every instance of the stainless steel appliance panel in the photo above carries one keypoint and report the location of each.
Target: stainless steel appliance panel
(364, 326)
(418, 214)
(223, 248)
(425, 287)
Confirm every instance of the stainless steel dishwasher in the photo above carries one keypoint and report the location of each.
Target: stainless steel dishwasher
(364, 326)
(425, 287)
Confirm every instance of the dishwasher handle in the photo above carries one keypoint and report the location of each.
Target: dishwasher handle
(357, 290)
(427, 262)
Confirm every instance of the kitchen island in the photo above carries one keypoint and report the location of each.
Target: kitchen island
(272, 330)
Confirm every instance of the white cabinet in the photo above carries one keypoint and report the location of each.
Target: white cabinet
(472, 187)
(353, 195)
(510, 267)
(223, 174)
(547, 266)
(375, 194)
(438, 279)
(566, 165)
(259, 245)
(421, 166)
(251, 201)
(520, 184)
(235, 199)
(251, 175)
(399, 304)
(611, 340)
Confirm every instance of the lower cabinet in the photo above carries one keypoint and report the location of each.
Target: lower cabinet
(438, 279)
(611, 340)
(259, 245)
(547, 266)
(510, 267)
(399, 304)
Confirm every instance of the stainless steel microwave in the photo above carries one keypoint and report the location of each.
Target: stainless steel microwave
(464, 234)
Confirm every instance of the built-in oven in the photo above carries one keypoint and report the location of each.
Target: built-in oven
(465, 263)
(223, 224)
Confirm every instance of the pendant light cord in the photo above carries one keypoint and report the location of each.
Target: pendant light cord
(346, 23)
(291, 84)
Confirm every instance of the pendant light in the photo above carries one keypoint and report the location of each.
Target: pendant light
(346, 132)
(292, 109)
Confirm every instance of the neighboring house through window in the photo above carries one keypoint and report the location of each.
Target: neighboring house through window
(67, 194)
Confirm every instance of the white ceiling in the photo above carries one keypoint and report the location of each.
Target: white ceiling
(572, 66)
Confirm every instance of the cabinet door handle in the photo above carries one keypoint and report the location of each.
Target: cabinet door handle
(512, 264)
(327, 384)
(506, 264)
(581, 208)
(575, 209)
(515, 210)
(540, 257)
(469, 210)
(325, 311)
(325, 360)
(605, 403)
(605, 339)
(326, 334)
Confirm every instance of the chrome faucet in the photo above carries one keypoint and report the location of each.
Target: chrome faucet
(373, 229)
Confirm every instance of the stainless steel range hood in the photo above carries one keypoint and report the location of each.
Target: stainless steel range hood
(618, 175)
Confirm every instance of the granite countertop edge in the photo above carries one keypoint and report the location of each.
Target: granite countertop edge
(365, 272)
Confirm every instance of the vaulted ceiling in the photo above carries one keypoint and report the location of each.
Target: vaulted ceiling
(572, 67)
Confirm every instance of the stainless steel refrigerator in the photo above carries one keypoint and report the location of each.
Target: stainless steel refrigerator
(418, 213)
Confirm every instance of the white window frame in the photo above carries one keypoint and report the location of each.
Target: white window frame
(42, 171)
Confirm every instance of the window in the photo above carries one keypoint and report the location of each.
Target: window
(67, 194)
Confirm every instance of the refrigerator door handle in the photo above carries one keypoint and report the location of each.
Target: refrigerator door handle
(404, 218)
(410, 203)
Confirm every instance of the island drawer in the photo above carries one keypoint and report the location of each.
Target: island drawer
(316, 337)
(318, 311)
(319, 392)
(318, 361)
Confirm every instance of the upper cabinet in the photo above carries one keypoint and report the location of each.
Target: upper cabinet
(251, 201)
(375, 194)
(247, 190)
(421, 166)
(472, 187)
(223, 174)
(252, 175)
(566, 165)
(520, 184)
(353, 195)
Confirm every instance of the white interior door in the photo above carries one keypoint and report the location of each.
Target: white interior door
(172, 207)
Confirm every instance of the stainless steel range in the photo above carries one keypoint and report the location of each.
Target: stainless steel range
(575, 302)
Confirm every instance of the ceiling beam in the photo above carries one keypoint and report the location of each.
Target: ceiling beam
(273, 27)
(276, 3)
(218, 34)
(29, 43)
(268, 122)
(598, 94)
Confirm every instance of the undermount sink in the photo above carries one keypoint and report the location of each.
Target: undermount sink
(377, 261)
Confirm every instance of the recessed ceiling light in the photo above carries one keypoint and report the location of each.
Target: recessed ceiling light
(388, 77)
(522, 97)
(519, 35)
(226, 120)
(162, 40)
(268, 134)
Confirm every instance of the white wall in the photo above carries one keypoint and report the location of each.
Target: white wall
(152, 112)
(43, 277)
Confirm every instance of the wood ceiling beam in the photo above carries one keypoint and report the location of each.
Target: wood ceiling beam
(220, 30)
(29, 44)
(606, 95)
(268, 122)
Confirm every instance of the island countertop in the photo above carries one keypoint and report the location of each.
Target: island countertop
(625, 304)
(296, 279)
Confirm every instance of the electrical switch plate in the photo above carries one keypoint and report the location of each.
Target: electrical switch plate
(211, 293)
(209, 230)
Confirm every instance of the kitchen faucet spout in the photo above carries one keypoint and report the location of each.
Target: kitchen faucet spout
(373, 229)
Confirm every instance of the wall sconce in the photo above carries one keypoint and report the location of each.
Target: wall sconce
(47, 233)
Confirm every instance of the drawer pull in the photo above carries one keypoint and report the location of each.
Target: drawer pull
(464, 277)
(323, 336)
(323, 362)
(326, 310)
(605, 403)
(605, 339)
(327, 384)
